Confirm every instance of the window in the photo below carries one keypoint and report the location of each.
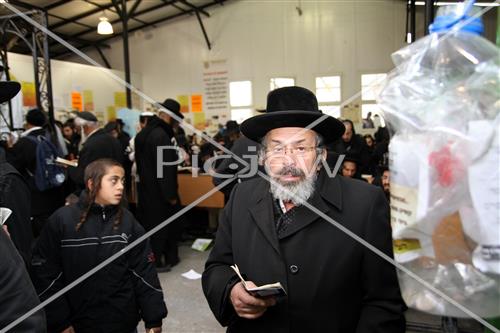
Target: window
(240, 99)
(240, 115)
(240, 93)
(375, 111)
(370, 88)
(331, 110)
(280, 82)
(371, 85)
(328, 89)
(328, 93)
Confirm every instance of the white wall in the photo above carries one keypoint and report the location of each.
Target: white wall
(263, 39)
(70, 76)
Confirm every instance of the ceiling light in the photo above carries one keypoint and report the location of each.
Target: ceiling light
(104, 27)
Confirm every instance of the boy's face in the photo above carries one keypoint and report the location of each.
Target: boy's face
(112, 185)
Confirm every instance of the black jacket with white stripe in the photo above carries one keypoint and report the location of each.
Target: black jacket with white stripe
(117, 296)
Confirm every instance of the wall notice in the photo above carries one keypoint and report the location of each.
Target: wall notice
(216, 86)
(196, 103)
(76, 101)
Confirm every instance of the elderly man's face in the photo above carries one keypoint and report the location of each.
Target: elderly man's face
(291, 161)
(290, 154)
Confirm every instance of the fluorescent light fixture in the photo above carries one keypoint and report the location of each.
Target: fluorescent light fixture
(104, 27)
(448, 3)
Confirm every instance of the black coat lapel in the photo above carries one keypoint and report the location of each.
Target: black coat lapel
(305, 216)
(262, 214)
(327, 190)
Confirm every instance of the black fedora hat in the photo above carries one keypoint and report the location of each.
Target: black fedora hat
(8, 89)
(292, 107)
(173, 106)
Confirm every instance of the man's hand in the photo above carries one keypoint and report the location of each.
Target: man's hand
(69, 330)
(247, 306)
(153, 330)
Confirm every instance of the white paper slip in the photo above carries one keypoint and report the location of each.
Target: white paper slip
(63, 161)
(201, 244)
(191, 275)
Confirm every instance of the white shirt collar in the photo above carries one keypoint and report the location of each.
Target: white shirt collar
(27, 132)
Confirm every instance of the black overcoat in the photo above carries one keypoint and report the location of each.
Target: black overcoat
(334, 283)
(156, 189)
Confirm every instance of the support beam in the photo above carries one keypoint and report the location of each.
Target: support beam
(153, 23)
(429, 14)
(413, 23)
(182, 10)
(117, 11)
(82, 15)
(196, 8)
(68, 22)
(56, 4)
(203, 29)
(25, 5)
(134, 7)
(144, 11)
(124, 16)
(103, 57)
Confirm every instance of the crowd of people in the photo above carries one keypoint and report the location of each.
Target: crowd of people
(68, 218)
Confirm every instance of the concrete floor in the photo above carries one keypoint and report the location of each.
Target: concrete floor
(189, 311)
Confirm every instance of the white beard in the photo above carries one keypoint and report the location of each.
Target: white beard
(296, 192)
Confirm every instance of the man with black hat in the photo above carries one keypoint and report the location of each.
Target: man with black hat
(96, 143)
(17, 294)
(23, 157)
(158, 192)
(273, 232)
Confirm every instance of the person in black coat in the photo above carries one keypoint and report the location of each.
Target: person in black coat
(96, 144)
(23, 157)
(15, 195)
(80, 236)
(17, 295)
(352, 144)
(245, 149)
(158, 194)
(279, 232)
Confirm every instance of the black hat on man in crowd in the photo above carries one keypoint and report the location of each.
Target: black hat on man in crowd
(173, 106)
(8, 89)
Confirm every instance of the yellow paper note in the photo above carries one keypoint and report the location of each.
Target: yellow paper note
(120, 99)
(184, 102)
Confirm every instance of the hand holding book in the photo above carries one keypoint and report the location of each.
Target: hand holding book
(273, 289)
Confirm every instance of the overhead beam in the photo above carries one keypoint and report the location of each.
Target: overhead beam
(103, 57)
(428, 15)
(56, 4)
(117, 11)
(171, 17)
(144, 11)
(198, 9)
(25, 5)
(134, 7)
(203, 29)
(81, 16)
(68, 22)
